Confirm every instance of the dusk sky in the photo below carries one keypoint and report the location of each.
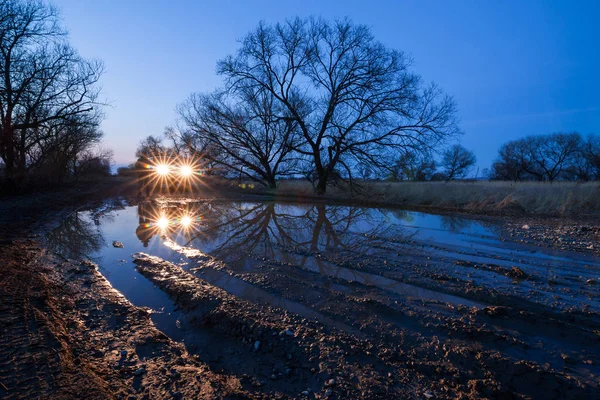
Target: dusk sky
(515, 68)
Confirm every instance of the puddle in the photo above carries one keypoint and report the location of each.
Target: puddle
(330, 249)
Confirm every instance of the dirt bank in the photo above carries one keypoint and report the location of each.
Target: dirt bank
(66, 334)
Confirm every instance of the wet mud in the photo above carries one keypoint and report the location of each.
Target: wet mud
(327, 301)
(69, 335)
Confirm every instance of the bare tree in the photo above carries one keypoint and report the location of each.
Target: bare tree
(354, 100)
(415, 166)
(151, 146)
(93, 162)
(512, 162)
(245, 132)
(43, 82)
(590, 152)
(551, 154)
(585, 163)
(58, 154)
(457, 162)
(548, 158)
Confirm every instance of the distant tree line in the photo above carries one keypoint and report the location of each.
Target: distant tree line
(49, 108)
(456, 162)
(551, 157)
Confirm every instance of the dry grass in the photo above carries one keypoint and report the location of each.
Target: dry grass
(561, 198)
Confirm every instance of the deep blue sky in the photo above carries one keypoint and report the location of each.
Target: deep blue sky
(514, 67)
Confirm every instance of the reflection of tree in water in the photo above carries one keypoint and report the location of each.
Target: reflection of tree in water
(147, 213)
(246, 228)
(75, 238)
(404, 215)
(276, 231)
(454, 224)
(106, 210)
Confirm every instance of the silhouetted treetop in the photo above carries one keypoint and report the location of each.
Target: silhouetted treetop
(354, 100)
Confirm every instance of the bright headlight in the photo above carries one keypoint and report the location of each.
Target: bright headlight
(162, 169)
(186, 170)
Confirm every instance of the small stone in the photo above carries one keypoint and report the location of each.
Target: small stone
(330, 382)
(429, 395)
(289, 332)
(305, 393)
(516, 272)
(288, 371)
(257, 345)
(526, 227)
(328, 392)
(273, 376)
(591, 282)
(496, 311)
(567, 359)
(118, 244)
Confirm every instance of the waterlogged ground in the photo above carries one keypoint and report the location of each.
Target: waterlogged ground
(304, 300)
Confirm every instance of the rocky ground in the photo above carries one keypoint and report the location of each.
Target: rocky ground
(67, 334)
(560, 233)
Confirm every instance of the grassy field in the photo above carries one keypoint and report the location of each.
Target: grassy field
(558, 199)
(482, 197)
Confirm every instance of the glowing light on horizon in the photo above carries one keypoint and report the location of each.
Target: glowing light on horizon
(186, 171)
(162, 169)
(173, 173)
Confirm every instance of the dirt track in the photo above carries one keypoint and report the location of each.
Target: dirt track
(67, 334)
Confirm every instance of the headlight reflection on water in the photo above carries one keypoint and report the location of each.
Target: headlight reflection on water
(162, 222)
(186, 221)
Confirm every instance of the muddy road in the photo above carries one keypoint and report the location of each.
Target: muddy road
(327, 301)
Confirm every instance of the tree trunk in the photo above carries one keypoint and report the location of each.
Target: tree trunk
(8, 143)
(10, 162)
(321, 187)
(22, 160)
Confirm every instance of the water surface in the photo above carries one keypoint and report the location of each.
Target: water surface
(272, 253)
